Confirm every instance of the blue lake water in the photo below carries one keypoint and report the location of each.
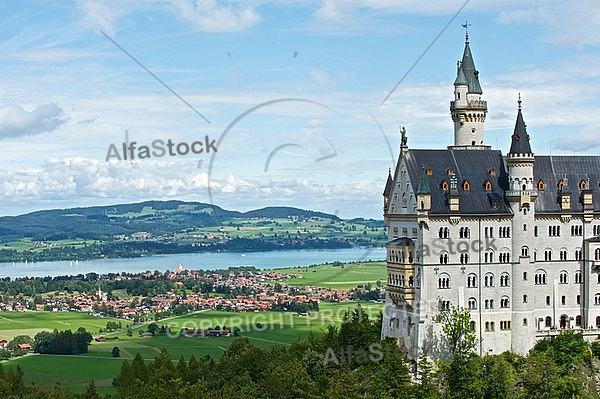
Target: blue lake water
(206, 261)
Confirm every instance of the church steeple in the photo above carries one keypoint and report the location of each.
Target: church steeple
(468, 110)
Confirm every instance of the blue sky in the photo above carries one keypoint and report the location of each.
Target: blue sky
(316, 74)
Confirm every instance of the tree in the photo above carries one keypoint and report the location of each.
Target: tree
(460, 339)
(116, 352)
(153, 328)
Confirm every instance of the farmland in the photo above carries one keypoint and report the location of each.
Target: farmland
(264, 329)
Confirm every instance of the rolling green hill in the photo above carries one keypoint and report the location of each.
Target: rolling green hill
(164, 227)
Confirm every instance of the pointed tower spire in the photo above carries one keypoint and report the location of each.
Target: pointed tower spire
(520, 139)
(468, 110)
(388, 184)
(423, 185)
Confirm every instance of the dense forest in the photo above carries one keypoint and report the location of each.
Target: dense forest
(349, 361)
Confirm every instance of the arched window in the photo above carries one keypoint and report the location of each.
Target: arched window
(559, 185)
(472, 303)
(597, 254)
(504, 302)
(597, 299)
(488, 186)
(444, 258)
(443, 232)
(492, 172)
(548, 321)
(563, 277)
(429, 172)
(579, 277)
(504, 280)
(524, 251)
(598, 321)
(540, 277)
(466, 185)
(540, 185)
(450, 172)
(444, 185)
(464, 258)
(472, 281)
(444, 281)
(488, 280)
(583, 185)
(472, 325)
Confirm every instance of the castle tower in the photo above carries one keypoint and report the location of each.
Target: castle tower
(468, 110)
(521, 196)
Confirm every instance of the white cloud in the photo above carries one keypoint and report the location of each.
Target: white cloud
(585, 141)
(17, 122)
(100, 15)
(331, 10)
(209, 16)
(507, 17)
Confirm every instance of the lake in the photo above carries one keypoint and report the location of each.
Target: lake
(203, 260)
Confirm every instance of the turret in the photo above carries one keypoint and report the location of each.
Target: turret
(520, 161)
(468, 110)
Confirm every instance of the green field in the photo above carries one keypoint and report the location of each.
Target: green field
(264, 329)
(347, 276)
(30, 323)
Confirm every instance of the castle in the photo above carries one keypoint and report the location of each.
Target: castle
(515, 238)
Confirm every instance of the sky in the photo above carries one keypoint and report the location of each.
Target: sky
(294, 103)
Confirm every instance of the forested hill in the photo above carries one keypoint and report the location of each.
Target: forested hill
(155, 217)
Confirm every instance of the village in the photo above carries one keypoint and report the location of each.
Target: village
(233, 290)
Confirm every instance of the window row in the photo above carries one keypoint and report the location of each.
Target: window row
(465, 232)
(489, 303)
(540, 277)
(399, 256)
(488, 257)
(563, 254)
(488, 280)
(399, 280)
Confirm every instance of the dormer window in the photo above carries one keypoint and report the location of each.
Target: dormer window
(466, 185)
(492, 172)
(445, 185)
(450, 172)
(541, 186)
(488, 186)
(429, 172)
(560, 185)
(583, 185)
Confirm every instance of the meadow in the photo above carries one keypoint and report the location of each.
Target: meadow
(344, 276)
(263, 329)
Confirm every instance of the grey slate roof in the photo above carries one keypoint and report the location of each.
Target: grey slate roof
(471, 74)
(388, 185)
(551, 169)
(520, 139)
(461, 79)
(473, 166)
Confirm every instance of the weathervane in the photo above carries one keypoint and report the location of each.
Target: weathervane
(466, 27)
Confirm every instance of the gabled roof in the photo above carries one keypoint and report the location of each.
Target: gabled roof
(551, 169)
(473, 166)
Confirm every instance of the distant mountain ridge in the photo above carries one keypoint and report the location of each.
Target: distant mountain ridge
(156, 217)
